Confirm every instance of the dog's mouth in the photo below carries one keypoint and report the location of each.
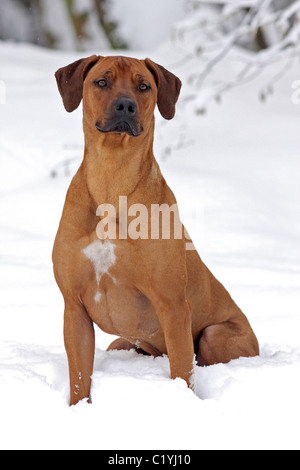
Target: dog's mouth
(121, 127)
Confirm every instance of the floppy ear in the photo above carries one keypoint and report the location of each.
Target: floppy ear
(168, 86)
(70, 81)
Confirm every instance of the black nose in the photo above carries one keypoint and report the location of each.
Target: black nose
(125, 107)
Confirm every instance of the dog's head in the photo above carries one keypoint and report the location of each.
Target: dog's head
(119, 94)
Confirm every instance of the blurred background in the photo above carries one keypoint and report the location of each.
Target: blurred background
(201, 31)
(122, 24)
(88, 24)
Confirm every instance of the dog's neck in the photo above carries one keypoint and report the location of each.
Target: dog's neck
(118, 165)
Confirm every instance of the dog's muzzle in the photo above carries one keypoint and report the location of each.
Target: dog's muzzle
(123, 119)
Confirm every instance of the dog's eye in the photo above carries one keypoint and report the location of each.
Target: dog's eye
(102, 83)
(144, 87)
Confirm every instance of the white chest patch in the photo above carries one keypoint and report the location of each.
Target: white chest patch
(102, 255)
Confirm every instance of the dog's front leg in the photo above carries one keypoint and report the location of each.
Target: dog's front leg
(79, 339)
(175, 319)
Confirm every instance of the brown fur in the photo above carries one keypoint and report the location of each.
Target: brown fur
(157, 295)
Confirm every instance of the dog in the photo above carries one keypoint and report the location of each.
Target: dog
(150, 291)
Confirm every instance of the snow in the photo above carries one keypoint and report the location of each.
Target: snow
(235, 172)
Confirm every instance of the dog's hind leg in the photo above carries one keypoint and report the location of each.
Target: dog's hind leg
(226, 341)
(122, 344)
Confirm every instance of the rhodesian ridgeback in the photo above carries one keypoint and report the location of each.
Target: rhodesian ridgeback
(147, 288)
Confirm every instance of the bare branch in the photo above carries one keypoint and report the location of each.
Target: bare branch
(213, 32)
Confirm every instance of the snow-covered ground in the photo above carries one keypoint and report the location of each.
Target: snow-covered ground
(236, 175)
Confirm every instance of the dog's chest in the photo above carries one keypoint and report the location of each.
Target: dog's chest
(110, 297)
(102, 258)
